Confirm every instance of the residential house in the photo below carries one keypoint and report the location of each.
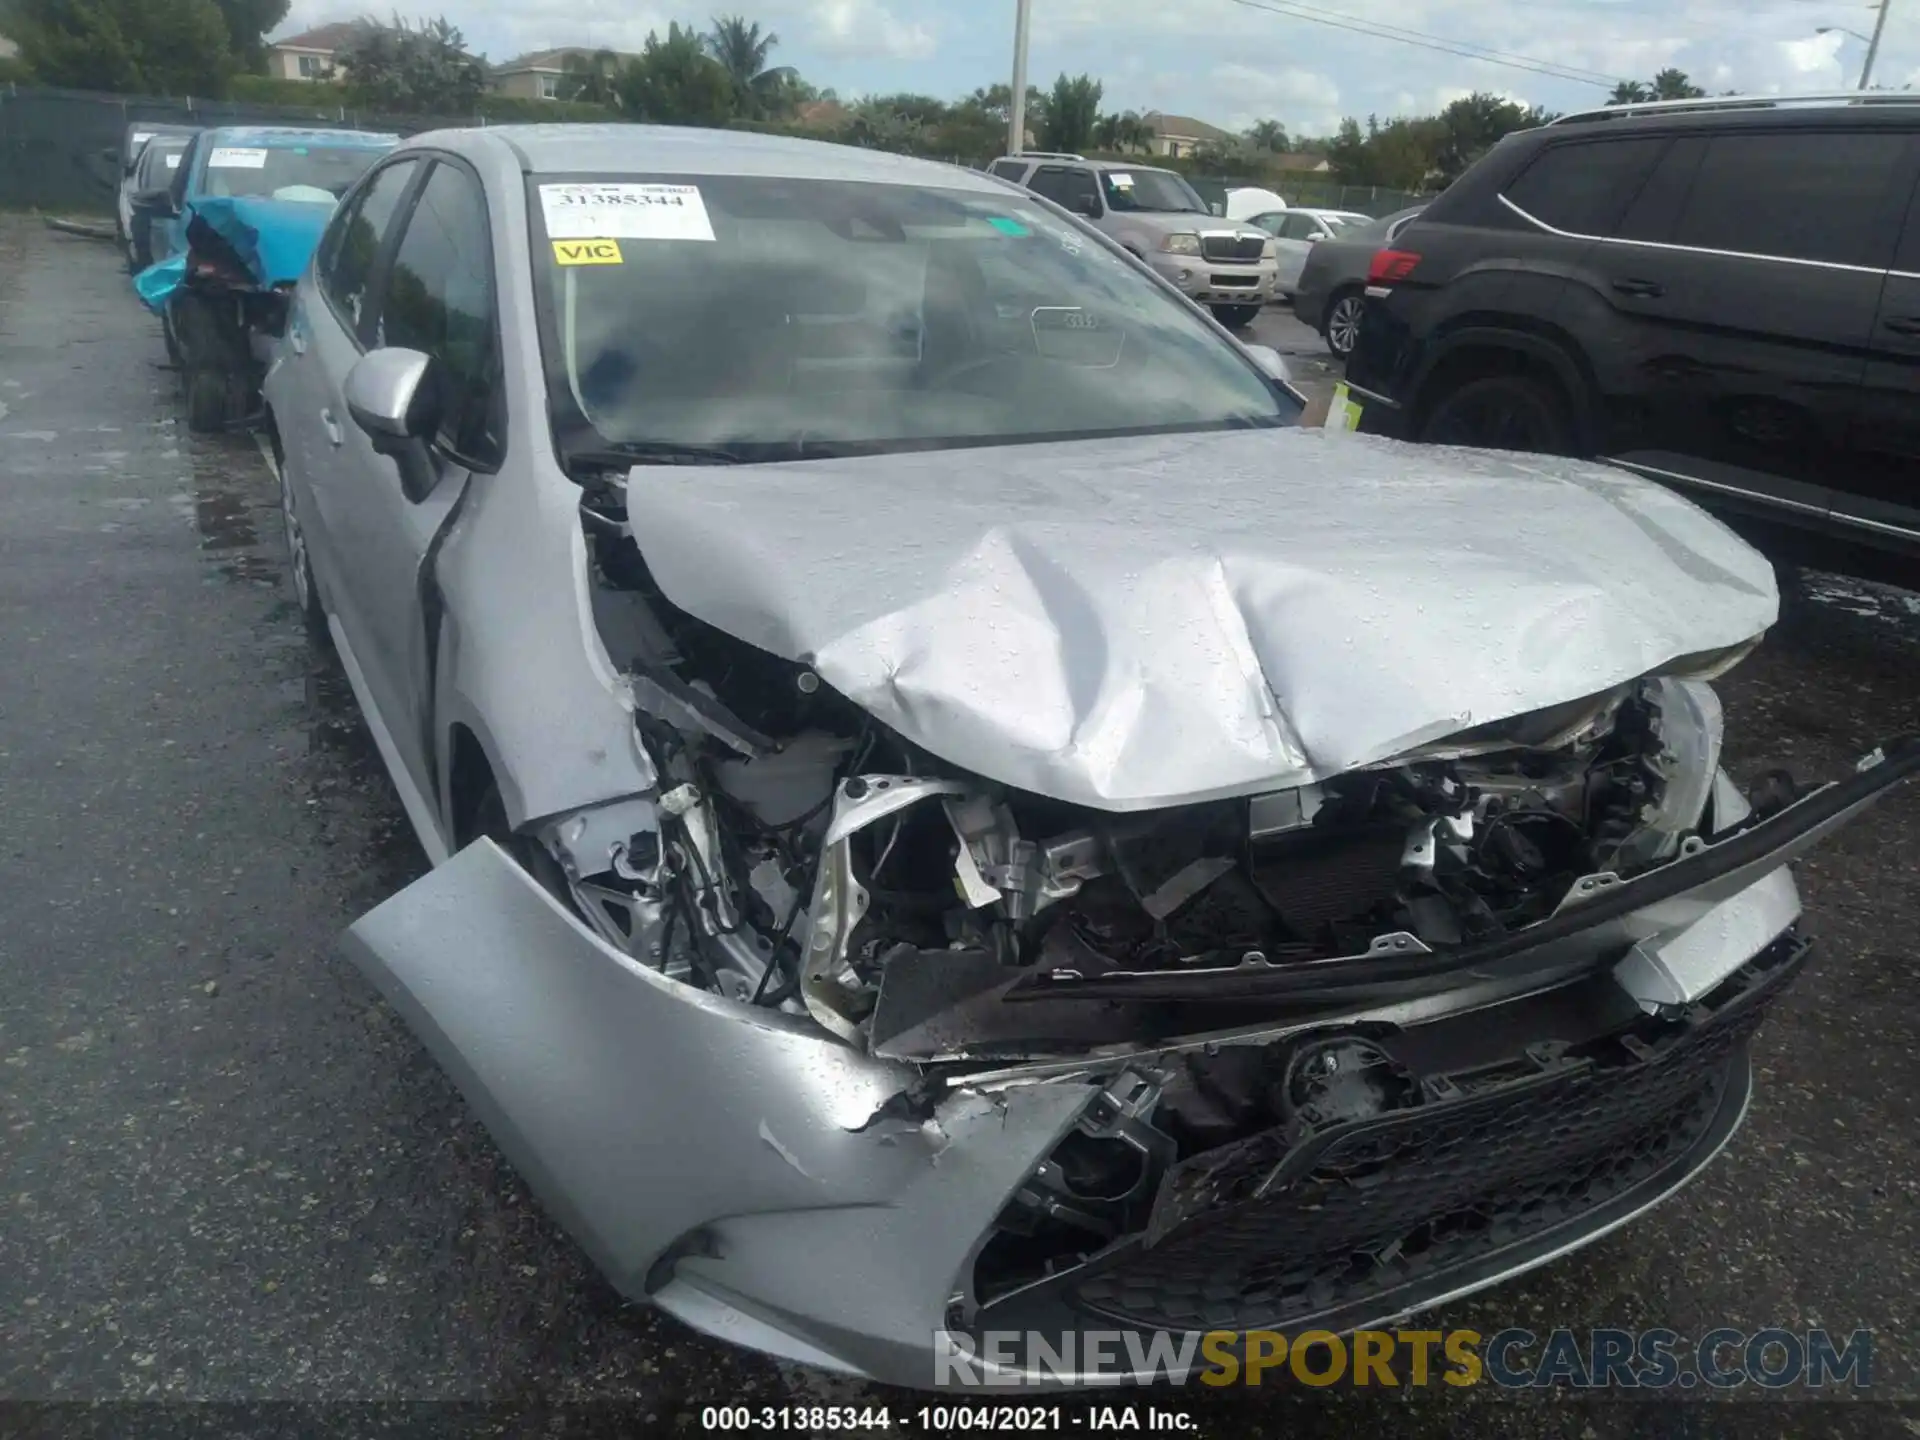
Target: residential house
(1297, 162)
(309, 55)
(537, 76)
(1178, 135)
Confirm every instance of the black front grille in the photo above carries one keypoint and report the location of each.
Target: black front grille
(1262, 1234)
(1231, 247)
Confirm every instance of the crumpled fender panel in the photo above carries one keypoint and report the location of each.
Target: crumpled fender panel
(654, 1119)
(272, 239)
(1135, 623)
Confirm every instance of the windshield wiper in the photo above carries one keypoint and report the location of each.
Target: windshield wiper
(626, 455)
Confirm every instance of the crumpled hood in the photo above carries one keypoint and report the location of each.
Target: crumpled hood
(1129, 624)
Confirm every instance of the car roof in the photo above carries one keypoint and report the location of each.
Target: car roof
(613, 149)
(1736, 115)
(272, 137)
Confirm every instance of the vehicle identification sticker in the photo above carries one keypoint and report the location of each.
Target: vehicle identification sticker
(588, 252)
(625, 212)
(228, 158)
(140, 137)
(1120, 180)
(173, 161)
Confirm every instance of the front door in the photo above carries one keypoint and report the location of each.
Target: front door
(1738, 295)
(1876, 494)
(435, 295)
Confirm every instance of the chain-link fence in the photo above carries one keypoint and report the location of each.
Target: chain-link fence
(1312, 191)
(55, 144)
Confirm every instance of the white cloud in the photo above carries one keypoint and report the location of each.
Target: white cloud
(867, 28)
(1304, 101)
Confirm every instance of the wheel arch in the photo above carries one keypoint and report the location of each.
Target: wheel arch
(1475, 351)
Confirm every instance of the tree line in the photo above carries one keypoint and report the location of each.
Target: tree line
(726, 75)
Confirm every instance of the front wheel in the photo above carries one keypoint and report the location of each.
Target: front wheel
(1501, 412)
(1342, 330)
(1236, 317)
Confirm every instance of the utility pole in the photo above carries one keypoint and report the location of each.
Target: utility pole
(1017, 116)
(1873, 45)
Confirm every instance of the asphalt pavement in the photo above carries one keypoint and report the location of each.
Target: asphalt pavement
(230, 1175)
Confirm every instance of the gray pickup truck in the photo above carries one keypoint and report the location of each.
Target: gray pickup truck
(1224, 264)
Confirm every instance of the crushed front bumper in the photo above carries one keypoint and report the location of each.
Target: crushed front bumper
(780, 1189)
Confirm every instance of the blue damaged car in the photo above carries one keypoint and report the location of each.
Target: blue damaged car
(230, 238)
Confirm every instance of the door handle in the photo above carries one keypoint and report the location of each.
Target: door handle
(1903, 324)
(297, 338)
(334, 435)
(1644, 289)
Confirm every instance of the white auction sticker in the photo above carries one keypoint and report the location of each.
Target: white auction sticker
(226, 158)
(173, 162)
(625, 212)
(140, 137)
(1120, 180)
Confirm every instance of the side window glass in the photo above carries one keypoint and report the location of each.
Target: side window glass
(1656, 209)
(352, 241)
(1050, 181)
(439, 300)
(1806, 196)
(1294, 227)
(1583, 188)
(1010, 169)
(1081, 192)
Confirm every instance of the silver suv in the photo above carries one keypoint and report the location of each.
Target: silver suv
(1225, 265)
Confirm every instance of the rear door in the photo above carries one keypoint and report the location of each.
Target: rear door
(1727, 314)
(434, 293)
(1876, 494)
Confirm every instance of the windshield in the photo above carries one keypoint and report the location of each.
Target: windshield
(775, 318)
(319, 173)
(160, 159)
(1150, 190)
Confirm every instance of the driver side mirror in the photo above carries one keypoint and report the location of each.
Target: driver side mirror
(156, 204)
(393, 395)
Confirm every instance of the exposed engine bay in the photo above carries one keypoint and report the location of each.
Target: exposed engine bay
(807, 857)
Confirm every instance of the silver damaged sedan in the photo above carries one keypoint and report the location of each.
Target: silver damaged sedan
(953, 812)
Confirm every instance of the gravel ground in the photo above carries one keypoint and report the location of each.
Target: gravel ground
(231, 1176)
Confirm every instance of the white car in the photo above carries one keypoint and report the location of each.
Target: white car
(1295, 231)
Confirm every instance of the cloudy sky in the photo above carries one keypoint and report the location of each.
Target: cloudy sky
(1233, 61)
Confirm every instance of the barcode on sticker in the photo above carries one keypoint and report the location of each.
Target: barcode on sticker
(625, 212)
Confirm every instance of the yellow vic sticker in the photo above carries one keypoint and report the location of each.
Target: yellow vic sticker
(587, 252)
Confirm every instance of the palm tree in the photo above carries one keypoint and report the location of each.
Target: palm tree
(1268, 135)
(1671, 84)
(742, 48)
(1122, 133)
(590, 78)
(1629, 92)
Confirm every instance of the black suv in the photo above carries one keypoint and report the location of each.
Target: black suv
(1723, 295)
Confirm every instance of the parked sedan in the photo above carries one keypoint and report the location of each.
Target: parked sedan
(1295, 234)
(1331, 292)
(952, 810)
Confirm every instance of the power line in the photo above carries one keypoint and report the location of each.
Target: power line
(1466, 49)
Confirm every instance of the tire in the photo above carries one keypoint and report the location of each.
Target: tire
(1236, 317)
(211, 400)
(1341, 328)
(306, 594)
(1500, 412)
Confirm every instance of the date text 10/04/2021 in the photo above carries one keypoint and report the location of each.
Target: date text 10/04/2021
(949, 1419)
